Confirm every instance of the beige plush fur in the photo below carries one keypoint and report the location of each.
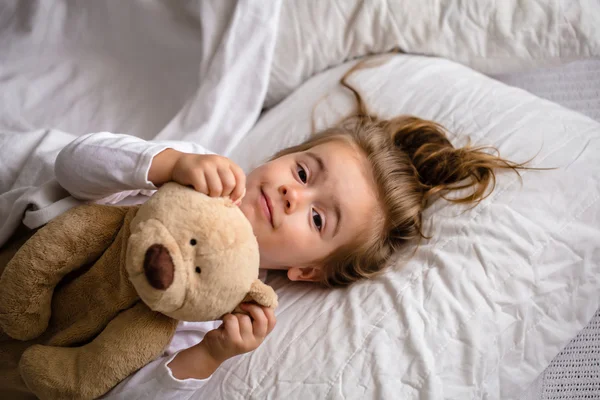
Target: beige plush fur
(96, 294)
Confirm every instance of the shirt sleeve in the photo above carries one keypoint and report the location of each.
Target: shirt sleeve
(156, 381)
(108, 166)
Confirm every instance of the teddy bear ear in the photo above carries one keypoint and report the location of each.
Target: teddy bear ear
(262, 294)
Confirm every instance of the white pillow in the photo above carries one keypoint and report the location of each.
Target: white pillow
(481, 308)
(487, 35)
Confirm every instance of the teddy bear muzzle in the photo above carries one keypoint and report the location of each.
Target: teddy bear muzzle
(158, 267)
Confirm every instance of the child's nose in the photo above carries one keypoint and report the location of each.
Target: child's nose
(290, 196)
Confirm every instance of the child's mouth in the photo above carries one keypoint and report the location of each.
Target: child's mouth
(266, 206)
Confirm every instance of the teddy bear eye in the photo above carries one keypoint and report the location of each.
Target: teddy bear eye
(198, 270)
(193, 242)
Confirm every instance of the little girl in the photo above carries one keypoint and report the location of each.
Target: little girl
(332, 210)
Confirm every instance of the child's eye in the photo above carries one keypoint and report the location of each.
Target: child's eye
(302, 173)
(317, 220)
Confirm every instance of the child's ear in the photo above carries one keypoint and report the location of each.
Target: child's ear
(306, 274)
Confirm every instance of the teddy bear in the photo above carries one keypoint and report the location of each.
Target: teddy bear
(98, 292)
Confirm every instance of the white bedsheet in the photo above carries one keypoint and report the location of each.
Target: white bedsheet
(482, 307)
(574, 374)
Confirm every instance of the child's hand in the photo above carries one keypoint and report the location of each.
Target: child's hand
(213, 175)
(239, 333)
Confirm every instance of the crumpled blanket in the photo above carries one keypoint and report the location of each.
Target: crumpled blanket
(56, 48)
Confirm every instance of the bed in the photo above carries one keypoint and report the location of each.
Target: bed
(508, 312)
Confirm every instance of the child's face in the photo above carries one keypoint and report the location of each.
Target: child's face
(303, 206)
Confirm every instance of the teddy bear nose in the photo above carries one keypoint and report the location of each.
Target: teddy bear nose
(158, 267)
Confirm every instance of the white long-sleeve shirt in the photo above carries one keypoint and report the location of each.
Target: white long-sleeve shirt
(108, 168)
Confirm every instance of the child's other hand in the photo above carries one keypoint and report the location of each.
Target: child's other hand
(239, 333)
(213, 175)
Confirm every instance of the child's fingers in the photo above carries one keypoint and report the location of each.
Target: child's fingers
(260, 324)
(240, 182)
(198, 181)
(213, 181)
(245, 327)
(271, 319)
(227, 181)
(231, 326)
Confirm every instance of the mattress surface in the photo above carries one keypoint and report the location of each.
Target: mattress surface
(574, 374)
(575, 85)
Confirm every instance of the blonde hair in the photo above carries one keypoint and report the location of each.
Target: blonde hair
(412, 161)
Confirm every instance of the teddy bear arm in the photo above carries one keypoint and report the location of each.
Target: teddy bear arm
(67, 243)
(129, 342)
(262, 294)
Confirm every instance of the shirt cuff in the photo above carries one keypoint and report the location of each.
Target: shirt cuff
(166, 378)
(142, 168)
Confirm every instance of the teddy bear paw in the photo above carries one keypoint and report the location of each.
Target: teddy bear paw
(22, 325)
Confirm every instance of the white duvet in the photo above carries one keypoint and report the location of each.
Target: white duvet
(482, 307)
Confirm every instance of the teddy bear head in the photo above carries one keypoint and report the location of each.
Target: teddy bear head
(193, 257)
